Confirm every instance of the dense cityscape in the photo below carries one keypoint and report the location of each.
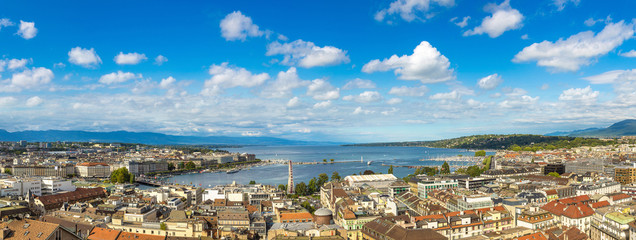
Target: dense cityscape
(80, 190)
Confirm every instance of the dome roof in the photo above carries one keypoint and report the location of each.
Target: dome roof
(323, 212)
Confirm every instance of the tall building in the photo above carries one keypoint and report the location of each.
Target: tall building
(290, 180)
(625, 175)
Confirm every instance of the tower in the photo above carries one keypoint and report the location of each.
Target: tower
(290, 180)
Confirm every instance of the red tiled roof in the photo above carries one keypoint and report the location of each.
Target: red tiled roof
(91, 164)
(600, 204)
(620, 196)
(534, 236)
(139, 236)
(579, 210)
(434, 216)
(551, 192)
(296, 216)
(103, 234)
(71, 197)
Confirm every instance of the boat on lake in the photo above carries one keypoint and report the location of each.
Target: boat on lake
(232, 171)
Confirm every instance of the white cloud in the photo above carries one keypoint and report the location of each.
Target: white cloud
(284, 84)
(159, 60)
(359, 110)
(236, 26)
(17, 63)
(452, 95)
(409, 91)
(294, 102)
(463, 23)
(365, 97)
(606, 77)
(307, 54)
(5, 22)
(426, 64)
(577, 50)
(625, 88)
(586, 95)
(394, 101)
(118, 77)
(27, 79)
(519, 102)
(560, 4)
(323, 104)
(34, 101)
(27, 30)
(321, 90)
(410, 9)
(7, 101)
(524, 37)
(514, 92)
(167, 82)
(591, 21)
(359, 83)
(251, 133)
(631, 54)
(129, 58)
(87, 58)
(304, 130)
(545, 86)
(225, 76)
(503, 18)
(490, 82)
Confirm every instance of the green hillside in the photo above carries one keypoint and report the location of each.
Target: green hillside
(491, 141)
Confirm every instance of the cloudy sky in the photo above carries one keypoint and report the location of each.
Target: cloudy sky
(358, 71)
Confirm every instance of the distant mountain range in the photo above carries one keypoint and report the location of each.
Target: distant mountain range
(144, 138)
(619, 129)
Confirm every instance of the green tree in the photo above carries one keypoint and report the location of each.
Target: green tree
(163, 226)
(170, 166)
(282, 187)
(445, 168)
(252, 182)
(324, 160)
(301, 189)
(368, 172)
(120, 175)
(322, 179)
(190, 165)
(331, 160)
(480, 153)
(132, 178)
(181, 165)
(308, 206)
(390, 170)
(554, 174)
(335, 176)
(8, 171)
(312, 186)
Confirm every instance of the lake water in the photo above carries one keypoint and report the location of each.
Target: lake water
(277, 174)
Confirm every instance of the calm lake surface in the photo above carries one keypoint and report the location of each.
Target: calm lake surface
(277, 174)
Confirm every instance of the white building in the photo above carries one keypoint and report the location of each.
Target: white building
(51, 185)
(428, 185)
(20, 187)
(602, 187)
(93, 170)
(374, 180)
(212, 194)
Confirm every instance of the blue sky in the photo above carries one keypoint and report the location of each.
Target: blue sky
(356, 71)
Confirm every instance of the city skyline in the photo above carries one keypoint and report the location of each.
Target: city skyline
(379, 71)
